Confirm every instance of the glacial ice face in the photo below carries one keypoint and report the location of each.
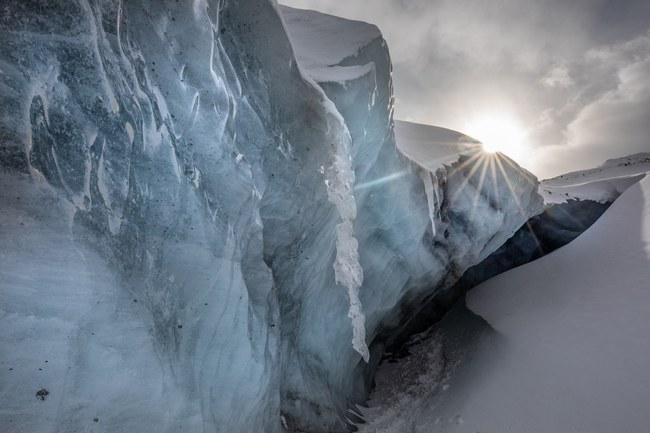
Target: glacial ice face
(138, 273)
(190, 219)
(416, 237)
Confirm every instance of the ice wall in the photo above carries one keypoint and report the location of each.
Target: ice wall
(425, 213)
(187, 213)
(133, 281)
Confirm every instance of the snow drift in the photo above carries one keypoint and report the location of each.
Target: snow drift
(573, 202)
(575, 326)
(559, 344)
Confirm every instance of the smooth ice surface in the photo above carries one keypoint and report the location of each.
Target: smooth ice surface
(564, 345)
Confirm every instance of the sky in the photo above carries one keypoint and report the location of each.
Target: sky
(573, 76)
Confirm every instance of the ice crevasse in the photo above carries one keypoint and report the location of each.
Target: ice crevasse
(210, 220)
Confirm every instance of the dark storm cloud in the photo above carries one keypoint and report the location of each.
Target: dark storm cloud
(574, 73)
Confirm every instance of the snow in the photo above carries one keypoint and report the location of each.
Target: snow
(619, 167)
(564, 347)
(322, 41)
(602, 191)
(602, 184)
(577, 325)
(430, 146)
(340, 74)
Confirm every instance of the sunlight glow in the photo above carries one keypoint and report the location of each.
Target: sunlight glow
(499, 132)
(482, 177)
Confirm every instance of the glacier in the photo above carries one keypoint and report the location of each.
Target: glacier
(210, 220)
(573, 202)
(558, 344)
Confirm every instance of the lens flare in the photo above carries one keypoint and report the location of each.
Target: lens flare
(499, 132)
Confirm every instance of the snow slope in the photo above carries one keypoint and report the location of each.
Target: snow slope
(602, 184)
(566, 346)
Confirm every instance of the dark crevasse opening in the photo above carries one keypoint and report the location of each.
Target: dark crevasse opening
(555, 227)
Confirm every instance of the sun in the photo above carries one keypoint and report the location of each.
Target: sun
(499, 132)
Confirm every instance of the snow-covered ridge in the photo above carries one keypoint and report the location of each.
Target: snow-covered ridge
(601, 184)
(612, 168)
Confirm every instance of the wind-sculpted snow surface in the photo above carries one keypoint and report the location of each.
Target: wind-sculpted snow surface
(198, 235)
(558, 344)
(575, 201)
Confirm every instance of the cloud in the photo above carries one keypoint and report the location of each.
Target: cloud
(606, 112)
(558, 77)
(557, 66)
(617, 119)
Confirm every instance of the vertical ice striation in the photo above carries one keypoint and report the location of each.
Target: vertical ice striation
(347, 269)
(148, 294)
(348, 272)
(431, 192)
(417, 233)
(167, 242)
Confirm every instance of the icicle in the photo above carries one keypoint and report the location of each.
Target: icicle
(339, 179)
(431, 191)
